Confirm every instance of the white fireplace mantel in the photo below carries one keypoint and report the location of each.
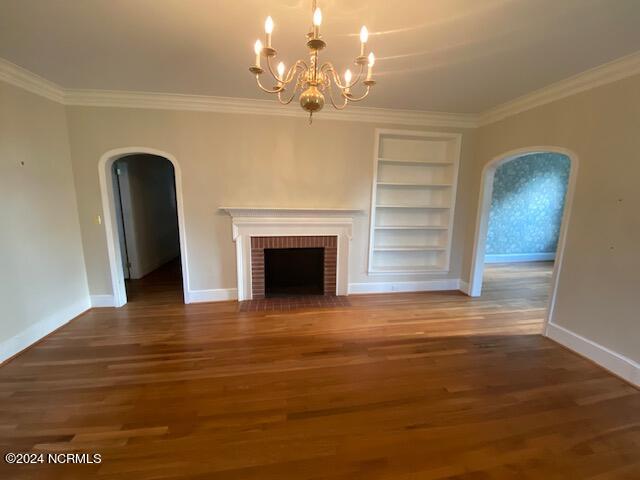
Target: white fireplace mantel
(289, 212)
(250, 222)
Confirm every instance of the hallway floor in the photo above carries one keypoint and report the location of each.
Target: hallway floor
(163, 284)
(396, 386)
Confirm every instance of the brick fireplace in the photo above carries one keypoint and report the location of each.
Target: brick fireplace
(260, 244)
(256, 229)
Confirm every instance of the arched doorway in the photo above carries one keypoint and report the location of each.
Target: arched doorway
(484, 208)
(110, 200)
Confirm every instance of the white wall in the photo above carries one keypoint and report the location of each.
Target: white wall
(242, 160)
(149, 209)
(43, 282)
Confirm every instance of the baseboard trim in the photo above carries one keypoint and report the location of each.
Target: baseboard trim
(464, 287)
(101, 301)
(616, 363)
(420, 286)
(519, 257)
(213, 295)
(12, 346)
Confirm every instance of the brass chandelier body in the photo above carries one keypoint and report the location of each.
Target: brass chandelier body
(311, 78)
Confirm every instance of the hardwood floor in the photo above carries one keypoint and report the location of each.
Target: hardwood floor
(163, 285)
(397, 386)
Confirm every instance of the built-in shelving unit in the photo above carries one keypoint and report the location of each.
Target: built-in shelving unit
(412, 201)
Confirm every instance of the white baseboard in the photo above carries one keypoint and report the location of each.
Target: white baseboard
(614, 362)
(464, 287)
(99, 301)
(213, 295)
(519, 257)
(421, 286)
(40, 329)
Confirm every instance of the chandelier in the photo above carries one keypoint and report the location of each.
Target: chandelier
(312, 79)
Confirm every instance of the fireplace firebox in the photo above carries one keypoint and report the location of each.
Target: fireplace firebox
(293, 271)
(293, 265)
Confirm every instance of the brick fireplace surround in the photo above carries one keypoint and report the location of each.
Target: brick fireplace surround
(259, 244)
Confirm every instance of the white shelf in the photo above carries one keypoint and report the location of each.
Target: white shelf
(412, 201)
(415, 162)
(403, 269)
(420, 207)
(410, 249)
(410, 227)
(414, 185)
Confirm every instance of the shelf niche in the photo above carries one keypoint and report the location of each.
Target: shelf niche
(413, 201)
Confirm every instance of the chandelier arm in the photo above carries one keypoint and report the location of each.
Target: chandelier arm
(333, 102)
(328, 67)
(364, 95)
(264, 89)
(358, 77)
(290, 99)
(270, 68)
(299, 65)
(288, 77)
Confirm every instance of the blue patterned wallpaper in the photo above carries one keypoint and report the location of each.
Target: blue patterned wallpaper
(527, 204)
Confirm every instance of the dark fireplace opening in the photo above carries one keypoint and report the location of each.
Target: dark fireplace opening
(293, 271)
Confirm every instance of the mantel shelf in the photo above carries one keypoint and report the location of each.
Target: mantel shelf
(290, 212)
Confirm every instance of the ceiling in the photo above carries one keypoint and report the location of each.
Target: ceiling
(441, 55)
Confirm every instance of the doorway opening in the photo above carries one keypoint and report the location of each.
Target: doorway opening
(144, 224)
(525, 201)
(147, 226)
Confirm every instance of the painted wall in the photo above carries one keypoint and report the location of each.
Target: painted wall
(149, 208)
(241, 160)
(597, 295)
(527, 204)
(42, 272)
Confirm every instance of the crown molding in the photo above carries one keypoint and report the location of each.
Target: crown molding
(607, 73)
(27, 80)
(610, 72)
(23, 78)
(164, 101)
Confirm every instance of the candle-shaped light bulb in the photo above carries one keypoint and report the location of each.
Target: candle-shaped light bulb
(347, 78)
(364, 36)
(268, 25)
(372, 62)
(281, 70)
(258, 49)
(268, 29)
(317, 21)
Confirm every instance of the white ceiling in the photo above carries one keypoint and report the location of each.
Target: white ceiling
(438, 55)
